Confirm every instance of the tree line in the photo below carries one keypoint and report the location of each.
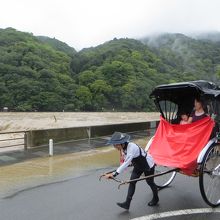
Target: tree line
(45, 74)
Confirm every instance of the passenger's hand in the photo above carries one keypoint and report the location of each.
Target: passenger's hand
(109, 176)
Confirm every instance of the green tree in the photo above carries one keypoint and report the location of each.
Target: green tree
(84, 98)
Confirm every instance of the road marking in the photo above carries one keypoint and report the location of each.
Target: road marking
(177, 213)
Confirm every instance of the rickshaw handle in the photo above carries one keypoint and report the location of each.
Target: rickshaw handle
(147, 177)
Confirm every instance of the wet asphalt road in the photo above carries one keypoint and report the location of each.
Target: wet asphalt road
(34, 186)
(85, 197)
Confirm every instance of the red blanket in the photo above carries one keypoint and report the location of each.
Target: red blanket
(179, 145)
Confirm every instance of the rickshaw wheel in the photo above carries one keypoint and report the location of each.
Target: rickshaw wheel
(164, 180)
(209, 176)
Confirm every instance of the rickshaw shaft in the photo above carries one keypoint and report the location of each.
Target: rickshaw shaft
(147, 177)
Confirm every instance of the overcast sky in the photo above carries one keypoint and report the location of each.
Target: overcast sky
(86, 23)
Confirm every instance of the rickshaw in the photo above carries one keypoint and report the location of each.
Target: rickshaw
(170, 100)
(191, 149)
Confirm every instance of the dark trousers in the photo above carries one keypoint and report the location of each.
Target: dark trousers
(136, 173)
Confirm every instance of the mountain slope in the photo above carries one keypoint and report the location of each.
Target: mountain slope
(33, 76)
(44, 74)
(200, 58)
(58, 45)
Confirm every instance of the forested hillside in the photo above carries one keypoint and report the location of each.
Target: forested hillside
(33, 75)
(44, 74)
(188, 56)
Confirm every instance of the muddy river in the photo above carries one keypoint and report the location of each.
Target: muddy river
(31, 173)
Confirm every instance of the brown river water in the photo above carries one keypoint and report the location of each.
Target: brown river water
(44, 170)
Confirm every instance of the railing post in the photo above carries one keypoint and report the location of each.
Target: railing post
(25, 140)
(88, 129)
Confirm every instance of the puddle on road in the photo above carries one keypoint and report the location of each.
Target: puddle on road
(35, 172)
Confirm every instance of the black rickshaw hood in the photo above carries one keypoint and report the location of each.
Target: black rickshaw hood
(201, 87)
(172, 99)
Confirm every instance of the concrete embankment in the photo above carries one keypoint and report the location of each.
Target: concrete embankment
(37, 138)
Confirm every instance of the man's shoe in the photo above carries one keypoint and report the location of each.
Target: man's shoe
(124, 205)
(154, 201)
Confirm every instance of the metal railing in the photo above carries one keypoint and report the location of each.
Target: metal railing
(10, 140)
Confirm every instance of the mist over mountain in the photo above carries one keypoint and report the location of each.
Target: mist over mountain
(208, 36)
(196, 55)
(38, 73)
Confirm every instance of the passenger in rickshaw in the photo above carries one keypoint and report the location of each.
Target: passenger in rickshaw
(184, 116)
(198, 112)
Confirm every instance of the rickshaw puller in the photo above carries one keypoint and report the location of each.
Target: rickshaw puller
(142, 163)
